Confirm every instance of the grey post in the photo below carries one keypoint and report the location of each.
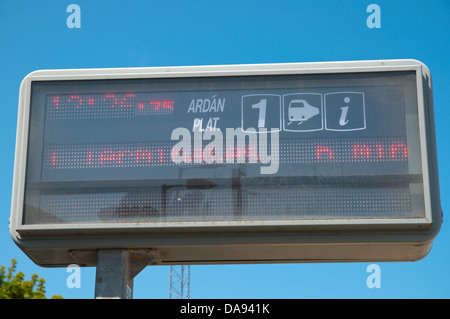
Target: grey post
(116, 269)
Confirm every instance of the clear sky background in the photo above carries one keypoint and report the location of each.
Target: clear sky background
(138, 33)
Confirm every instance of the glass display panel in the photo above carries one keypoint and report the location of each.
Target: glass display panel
(284, 147)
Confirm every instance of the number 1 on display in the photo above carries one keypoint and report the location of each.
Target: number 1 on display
(261, 105)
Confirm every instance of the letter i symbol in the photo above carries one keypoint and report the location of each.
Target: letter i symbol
(343, 120)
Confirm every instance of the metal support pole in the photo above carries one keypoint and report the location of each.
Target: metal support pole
(116, 269)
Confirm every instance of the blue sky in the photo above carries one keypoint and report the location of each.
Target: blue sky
(34, 35)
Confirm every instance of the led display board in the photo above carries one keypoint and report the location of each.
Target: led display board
(228, 164)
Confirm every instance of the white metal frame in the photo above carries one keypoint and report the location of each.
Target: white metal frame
(432, 205)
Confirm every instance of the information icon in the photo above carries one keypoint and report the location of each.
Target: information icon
(345, 111)
(302, 112)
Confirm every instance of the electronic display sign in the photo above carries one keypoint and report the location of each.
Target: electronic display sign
(167, 157)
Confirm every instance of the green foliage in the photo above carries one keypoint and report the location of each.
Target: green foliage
(15, 287)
